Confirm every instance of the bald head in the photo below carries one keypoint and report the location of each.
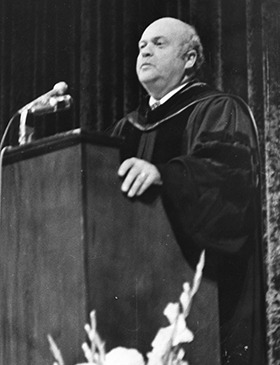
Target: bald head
(169, 52)
(175, 27)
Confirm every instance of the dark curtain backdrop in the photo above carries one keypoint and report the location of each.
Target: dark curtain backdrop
(92, 46)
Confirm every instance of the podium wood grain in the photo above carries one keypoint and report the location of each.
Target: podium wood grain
(71, 242)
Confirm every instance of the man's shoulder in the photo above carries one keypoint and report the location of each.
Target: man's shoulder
(201, 90)
(204, 94)
(196, 94)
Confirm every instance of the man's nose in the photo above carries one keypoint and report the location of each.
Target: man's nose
(146, 51)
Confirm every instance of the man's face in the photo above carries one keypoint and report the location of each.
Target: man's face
(160, 66)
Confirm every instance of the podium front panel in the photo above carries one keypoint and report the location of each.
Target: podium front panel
(71, 242)
(42, 273)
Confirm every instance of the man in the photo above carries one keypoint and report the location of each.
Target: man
(198, 148)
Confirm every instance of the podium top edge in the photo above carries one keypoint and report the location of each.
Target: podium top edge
(59, 141)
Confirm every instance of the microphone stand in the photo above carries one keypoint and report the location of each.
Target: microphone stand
(2, 151)
(23, 135)
(7, 130)
(59, 89)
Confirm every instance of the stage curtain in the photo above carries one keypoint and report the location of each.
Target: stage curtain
(92, 46)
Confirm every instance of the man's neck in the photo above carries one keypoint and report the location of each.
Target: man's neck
(159, 91)
(167, 96)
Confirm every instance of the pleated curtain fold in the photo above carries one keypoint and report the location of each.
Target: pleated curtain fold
(92, 46)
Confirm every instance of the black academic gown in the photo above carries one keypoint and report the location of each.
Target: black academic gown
(204, 144)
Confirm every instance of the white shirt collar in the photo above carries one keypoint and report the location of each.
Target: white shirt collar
(167, 96)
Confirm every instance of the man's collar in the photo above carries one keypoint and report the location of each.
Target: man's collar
(161, 101)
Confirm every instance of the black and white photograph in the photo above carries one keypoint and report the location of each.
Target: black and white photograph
(139, 182)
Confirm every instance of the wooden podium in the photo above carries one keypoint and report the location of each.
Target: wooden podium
(71, 242)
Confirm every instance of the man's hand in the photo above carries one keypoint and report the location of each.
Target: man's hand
(139, 176)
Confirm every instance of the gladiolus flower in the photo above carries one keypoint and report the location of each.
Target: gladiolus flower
(124, 356)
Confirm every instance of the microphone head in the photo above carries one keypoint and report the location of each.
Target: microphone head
(60, 88)
(52, 105)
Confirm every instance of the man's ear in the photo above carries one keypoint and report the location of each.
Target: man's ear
(190, 57)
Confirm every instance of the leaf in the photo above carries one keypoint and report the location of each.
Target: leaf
(198, 273)
(55, 350)
(196, 283)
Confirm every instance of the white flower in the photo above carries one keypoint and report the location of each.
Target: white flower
(154, 359)
(171, 311)
(186, 298)
(163, 341)
(181, 332)
(124, 356)
(169, 337)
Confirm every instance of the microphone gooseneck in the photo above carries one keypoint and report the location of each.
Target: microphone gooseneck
(59, 89)
(53, 105)
(49, 102)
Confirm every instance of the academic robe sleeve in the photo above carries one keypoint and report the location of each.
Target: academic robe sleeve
(209, 189)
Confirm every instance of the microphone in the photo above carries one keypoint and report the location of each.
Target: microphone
(58, 89)
(52, 105)
(51, 102)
